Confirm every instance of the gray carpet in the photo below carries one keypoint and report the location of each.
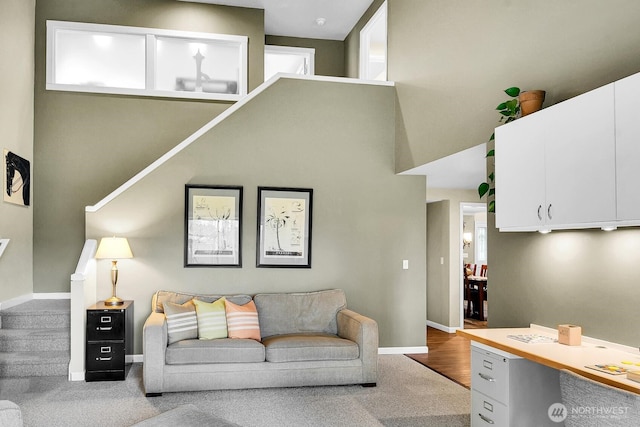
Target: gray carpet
(408, 394)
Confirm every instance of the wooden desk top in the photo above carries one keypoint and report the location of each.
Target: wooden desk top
(559, 356)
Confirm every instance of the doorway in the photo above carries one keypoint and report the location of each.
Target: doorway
(474, 301)
(289, 60)
(373, 47)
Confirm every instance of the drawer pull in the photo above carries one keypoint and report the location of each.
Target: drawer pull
(104, 359)
(99, 328)
(486, 377)
(485, 419)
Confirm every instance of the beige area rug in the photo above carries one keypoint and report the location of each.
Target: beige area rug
(408, 394)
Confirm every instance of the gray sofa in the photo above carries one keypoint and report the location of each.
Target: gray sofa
(308, 339)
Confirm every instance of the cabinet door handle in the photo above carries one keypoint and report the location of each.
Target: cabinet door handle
(549, 212)
(104, 329)
(540, 212)
(486, 377)
(485, 419)
(104, 359)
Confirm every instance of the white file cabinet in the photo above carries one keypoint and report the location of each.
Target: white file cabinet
(507, 390)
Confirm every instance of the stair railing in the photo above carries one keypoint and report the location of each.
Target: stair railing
(83, 294)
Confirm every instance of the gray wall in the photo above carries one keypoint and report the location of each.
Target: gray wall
(86, 145)
(16, 135)
(452, 59)
(334, 138)
(438, 245)
(587, 278)
(329, 57)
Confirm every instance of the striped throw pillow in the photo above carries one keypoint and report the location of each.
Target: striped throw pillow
(242, 321)
(212, 322)
(181, 321)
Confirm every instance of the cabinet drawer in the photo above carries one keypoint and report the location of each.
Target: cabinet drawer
(104, 356)
(487, 412)
(105, 325)
(490, 375)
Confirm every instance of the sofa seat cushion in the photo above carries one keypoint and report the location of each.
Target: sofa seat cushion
(225, 350)
(309, 347)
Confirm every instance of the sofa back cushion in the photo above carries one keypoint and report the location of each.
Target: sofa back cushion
(160, 297)
(294, 313)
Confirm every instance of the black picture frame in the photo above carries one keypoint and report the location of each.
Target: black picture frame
(284, 227)
(213, 226)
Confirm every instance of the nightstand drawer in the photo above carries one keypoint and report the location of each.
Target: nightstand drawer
(104, 356)
(105, 325)
(490, 375)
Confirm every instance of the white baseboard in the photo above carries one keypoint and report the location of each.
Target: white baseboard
(403, 350)
(53, 295)
(76, 376)
(443, 328)
(15, 301)
(28, 297)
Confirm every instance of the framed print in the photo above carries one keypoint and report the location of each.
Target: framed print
(213, 226)
(17, 179)
(284, 227)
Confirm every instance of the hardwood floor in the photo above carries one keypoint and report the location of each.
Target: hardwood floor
(449, 354)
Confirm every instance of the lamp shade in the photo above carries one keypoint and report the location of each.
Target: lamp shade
(114, 248)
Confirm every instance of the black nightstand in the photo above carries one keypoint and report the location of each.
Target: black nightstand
(109, 339)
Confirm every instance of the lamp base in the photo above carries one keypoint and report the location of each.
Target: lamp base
(114, 300)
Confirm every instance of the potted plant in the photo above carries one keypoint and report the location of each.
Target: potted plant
(521, 103)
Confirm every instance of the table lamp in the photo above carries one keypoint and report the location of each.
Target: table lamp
(114, 248)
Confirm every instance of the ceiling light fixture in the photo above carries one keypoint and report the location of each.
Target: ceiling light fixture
(320, 21)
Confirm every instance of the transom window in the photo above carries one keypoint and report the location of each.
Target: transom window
(145, 61)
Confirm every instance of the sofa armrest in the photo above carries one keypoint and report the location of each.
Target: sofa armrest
(154, 346)
(364, 332)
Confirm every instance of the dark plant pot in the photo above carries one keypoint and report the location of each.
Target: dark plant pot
(531, 101)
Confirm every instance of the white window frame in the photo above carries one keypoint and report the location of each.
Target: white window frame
(479, 248)
(150, 60)
(308, 53)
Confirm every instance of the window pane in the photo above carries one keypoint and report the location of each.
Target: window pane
(100, 59)
(197, 65)
(481, 244)
(283, 63)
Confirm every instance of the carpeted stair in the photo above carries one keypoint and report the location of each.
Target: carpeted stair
(34, 339)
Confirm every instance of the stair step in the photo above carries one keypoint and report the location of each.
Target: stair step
(38, 314)
(34, 364)
(46, 339)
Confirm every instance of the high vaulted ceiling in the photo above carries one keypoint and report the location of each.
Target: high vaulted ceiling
(300, 18)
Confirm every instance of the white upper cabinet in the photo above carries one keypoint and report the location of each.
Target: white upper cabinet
(628, 147)
(580, 160)
(555, 169)
(520, 175)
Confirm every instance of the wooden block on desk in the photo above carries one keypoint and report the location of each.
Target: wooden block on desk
(634, 375)
(569, 334)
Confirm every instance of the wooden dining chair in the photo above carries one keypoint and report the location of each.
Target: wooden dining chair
(483, 270)
(470, 293)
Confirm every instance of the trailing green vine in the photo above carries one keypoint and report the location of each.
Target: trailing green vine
(509, 111)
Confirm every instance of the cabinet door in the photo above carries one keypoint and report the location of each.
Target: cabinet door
(627, 147)
(580, 160)
(520, 174)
